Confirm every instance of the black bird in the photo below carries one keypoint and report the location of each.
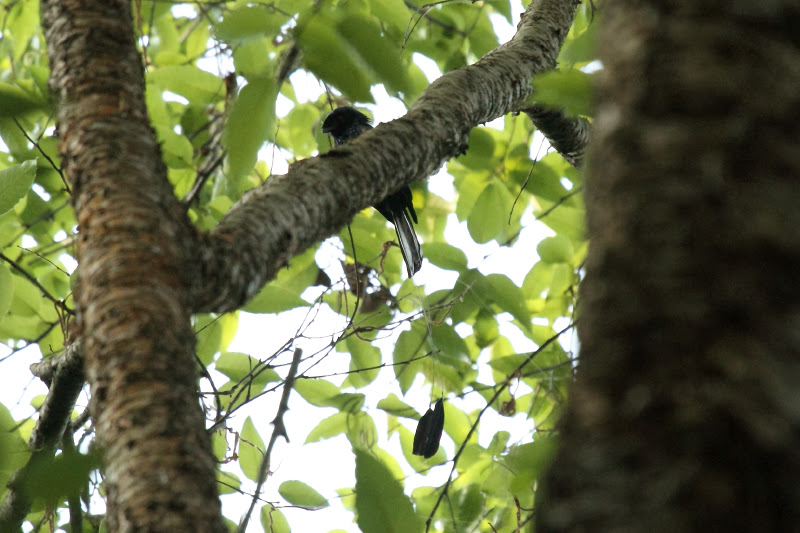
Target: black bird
(345, 123)
(429, 431)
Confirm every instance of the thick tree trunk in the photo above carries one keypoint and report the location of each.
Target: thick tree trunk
(132, 293)
(685, 415)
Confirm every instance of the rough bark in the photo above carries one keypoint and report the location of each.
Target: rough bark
(569, 136)
(685, 414)
(132, 295)
(317, 197)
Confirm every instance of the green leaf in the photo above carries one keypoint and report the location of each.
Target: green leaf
(251, 61)
(396, 407)
(482, 37)
(14, 101)
(198, 86)
(381, 505)
(14, 451)
(177, 149)
(300, 494)
(376, 51)
(485, 328)
(565, 220)
(250, 124)
(27, 298)
(15, 181)
(409, 346)
(510, 298)
(364, 361)
(527, 461)
(297, 130)
(209, 337)
(508, 364)
(488, 217)
(417, 462)
(457, 424)
(329, 427)
(498, 444)
(275, 298)
(393, 13)
(273, 520)
(480, 154)
(361, 430)
(347, 401)
(581, 48)
(227, 483)
(570, 90)
(22, 24)
(445, 256)
(331, 58)
(6, 290)
(55, 477)
(556, 249)
(248, 22)
(317, 392)
(469, 506)
(251, 450)
(240, 366)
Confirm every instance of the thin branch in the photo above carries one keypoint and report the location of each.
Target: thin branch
(560, 201)
(279, 431)
(58, 303)
(44, 154)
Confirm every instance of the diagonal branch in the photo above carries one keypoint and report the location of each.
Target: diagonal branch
(289, 213)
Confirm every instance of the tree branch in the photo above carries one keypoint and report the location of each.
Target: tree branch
(568, 135)
(64, 375)
(289, 213)
(279, 431)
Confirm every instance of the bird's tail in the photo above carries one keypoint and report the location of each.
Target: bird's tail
(409, 245)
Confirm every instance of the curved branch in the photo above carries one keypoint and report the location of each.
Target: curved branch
(289, 213)
(64, 375)
(568, 135)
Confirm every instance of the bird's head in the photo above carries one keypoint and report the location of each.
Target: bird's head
(344, 123)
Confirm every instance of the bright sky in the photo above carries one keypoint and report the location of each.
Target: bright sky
(329, 465)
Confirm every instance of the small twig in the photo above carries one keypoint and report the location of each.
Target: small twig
(422, 11)
(560, 201)
(378, 367)
(49, 160)
(356, 273)
(58, 303)
(279, 431)
(43, 258)
(525, 183)
(29, 342)
(213, 147)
